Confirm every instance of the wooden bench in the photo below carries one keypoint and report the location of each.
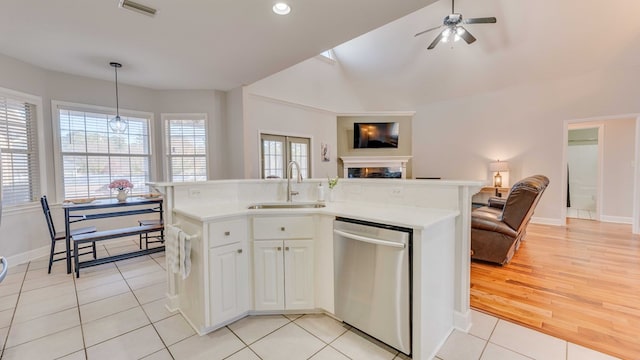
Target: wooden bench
(113, 234)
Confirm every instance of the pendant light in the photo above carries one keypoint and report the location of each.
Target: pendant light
(117, 124)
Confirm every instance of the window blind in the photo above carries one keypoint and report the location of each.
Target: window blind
(19, 147)
(93, 155)
(186, 149)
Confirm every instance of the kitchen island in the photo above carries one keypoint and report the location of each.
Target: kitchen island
(265, 261)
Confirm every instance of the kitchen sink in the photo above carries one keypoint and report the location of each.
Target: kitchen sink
(286, 205)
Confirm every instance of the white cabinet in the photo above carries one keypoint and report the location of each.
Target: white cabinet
(228, 271)
(283, 267)
(268, 275)
(298, 274)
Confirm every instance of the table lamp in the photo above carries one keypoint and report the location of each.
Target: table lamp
(497, 179)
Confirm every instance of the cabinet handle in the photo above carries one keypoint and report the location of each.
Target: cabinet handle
(279, 248)
(227, 233)
(239, 251)
(282, 228)
(286, 248)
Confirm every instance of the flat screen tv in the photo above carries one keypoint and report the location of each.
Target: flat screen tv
(375, 135)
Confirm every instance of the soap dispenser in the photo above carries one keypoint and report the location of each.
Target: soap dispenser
(320, 192)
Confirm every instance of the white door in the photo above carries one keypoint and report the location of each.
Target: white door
(268, 275)
(298, 264)
(229, 277)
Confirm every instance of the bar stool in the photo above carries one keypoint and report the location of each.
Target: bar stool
(55, 236)
(160, 238)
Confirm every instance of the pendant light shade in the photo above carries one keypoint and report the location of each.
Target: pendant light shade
(117, 124)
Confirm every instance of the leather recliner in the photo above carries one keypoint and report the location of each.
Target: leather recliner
(498, 229)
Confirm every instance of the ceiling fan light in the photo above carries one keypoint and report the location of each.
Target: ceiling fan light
(460, 30)
(281, 8)
(446, 33)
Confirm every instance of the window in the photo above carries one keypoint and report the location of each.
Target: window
(19, 147)
(278, 150)
(93, 156)
(186, 147)
(328, 54)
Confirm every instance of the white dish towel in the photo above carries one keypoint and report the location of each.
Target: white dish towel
(172, 248)
(185, 254)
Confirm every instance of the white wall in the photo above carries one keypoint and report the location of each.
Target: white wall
(210, 102)
(24, 229)
(235, 134)
(522, 125)
(265, 115)
(301, 100)
(458, 138)
(315, 82)
(617, 186)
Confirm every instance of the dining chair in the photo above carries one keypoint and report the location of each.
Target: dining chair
(56, 236)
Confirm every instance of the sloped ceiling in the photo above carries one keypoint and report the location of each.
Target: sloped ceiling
(189, 44)
(532, 40)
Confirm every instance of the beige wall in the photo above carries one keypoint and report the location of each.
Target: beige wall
(617, 169)
(345, 139)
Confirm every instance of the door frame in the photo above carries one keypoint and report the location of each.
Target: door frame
(600, 160)
(636, 181)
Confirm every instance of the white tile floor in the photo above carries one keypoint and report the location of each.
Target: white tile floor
(116, 311)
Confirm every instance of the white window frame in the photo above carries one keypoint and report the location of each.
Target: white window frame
(57, 146)
(165, 117)
(42, 162)
(286, 135)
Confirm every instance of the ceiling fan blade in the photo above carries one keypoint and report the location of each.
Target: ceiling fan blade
(436, 40)
(426, 31)
(484, 20)
(466, 36)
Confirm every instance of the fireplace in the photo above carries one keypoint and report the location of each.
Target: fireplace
(389, 167)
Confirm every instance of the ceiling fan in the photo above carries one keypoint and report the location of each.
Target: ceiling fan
(453, 28)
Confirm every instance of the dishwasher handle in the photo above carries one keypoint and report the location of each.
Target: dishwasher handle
(369, 240)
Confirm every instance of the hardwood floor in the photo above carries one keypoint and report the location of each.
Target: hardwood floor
(580, 283)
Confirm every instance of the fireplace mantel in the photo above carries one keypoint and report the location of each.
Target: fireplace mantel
(395, 162)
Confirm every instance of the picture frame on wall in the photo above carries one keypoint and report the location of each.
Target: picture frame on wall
(324, 152)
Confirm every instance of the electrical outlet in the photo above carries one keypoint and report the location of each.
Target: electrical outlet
(194, 193)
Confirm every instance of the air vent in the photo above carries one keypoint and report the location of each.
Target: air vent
(139, 8)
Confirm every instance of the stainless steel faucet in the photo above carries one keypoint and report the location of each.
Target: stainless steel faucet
(290, 192)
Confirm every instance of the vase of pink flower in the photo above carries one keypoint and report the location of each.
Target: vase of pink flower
(122, 186)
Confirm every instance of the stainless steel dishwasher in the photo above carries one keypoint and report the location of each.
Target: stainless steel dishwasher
(372, 277)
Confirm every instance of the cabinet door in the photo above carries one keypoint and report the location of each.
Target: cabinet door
(268, 275)
(229, 282)
(299, 280)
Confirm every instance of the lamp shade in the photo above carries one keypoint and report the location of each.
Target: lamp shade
(499, 166)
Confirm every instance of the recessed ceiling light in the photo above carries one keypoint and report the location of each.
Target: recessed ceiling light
(281, 8)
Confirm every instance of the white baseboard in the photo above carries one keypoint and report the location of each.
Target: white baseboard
(34, 254)
(462, 320)
(172, 303)
(547, 221)
(27, 256)
(616, 219)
